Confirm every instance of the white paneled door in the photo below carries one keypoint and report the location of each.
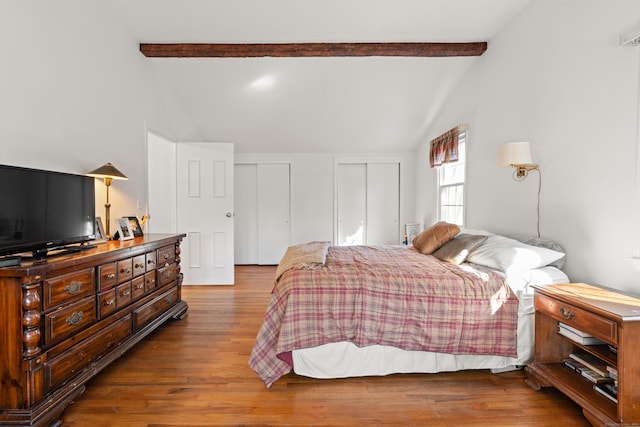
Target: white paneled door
(205, 212)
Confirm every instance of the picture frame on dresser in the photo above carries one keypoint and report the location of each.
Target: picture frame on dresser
(124, 229)
(135, 226)
(98, 231)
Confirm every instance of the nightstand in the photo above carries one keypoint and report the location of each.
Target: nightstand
(611, 317)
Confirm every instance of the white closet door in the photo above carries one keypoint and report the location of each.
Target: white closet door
(273, 191)
(352, 203)
(383, 203)
(246, 210)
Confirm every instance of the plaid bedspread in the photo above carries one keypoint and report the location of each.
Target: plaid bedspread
(387, 295)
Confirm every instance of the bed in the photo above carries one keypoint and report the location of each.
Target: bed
(344, 311)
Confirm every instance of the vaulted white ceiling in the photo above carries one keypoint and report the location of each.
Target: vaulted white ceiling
(311, 105)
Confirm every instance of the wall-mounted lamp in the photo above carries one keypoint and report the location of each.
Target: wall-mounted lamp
(108, 173)
(517, 155)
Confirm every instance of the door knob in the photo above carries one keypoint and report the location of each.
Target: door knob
(229, 214)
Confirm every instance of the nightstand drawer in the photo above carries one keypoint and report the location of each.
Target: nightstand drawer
(599, 327)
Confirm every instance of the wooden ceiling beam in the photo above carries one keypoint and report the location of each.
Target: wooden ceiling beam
(253, 50)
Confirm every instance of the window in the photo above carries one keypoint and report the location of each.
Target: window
(451, 186)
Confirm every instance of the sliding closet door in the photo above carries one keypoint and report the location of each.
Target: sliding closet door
(352, 203)
(383, 203)
(368, 203)
(273, 212)
(262, 213)
(246, 210)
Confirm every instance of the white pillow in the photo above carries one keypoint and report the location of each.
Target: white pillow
(505, 254)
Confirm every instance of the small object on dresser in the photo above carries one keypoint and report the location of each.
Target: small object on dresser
(577, 335)
(10, 261)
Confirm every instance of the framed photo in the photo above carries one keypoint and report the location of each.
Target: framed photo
(124, 230)
(411, 231)
(135, 226)
(98, 230)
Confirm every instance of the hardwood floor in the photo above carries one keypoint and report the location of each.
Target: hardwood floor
(195, 372)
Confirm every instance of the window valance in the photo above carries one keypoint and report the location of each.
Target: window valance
(444, 148)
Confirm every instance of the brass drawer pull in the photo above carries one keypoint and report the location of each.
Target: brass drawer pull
(125, 293)
(169, 299)
(566, 313)
(138, 265)
(165, 256)
(75, 318)
(109, 302)
(127, 270)
(110, 276)
(140, 286)
(73, 288)
(168, 274)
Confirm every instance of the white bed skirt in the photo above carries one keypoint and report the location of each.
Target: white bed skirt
(344, 359)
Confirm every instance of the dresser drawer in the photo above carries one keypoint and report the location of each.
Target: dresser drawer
(107, 276)
(107, 303)
(139, 265)
(137, 288)
(154, 308)
(68, 287)
(167, 275)
(72, 318)
(151, 260)
(123, 295)
(598, 326)
(125, 270)
(166, 255)
(150, 281)
(59, 369)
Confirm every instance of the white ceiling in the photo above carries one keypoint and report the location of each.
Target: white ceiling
(302, 105)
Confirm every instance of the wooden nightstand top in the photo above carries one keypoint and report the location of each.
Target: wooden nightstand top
(606, 301)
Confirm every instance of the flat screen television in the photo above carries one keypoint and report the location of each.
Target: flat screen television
(44, 210)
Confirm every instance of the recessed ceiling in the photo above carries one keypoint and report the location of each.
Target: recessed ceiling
(309, 105)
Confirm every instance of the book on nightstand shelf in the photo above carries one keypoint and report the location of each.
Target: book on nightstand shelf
(577, 335)
(586, 372)
(591, 362)
(608, 390)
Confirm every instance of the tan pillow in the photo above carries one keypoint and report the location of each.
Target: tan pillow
(435, 236)
(457, 249)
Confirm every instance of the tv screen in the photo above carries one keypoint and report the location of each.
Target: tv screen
(43, 210)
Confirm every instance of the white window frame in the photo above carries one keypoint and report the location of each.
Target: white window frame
(463, 139)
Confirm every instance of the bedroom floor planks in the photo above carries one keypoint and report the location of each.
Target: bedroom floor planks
(195, 372)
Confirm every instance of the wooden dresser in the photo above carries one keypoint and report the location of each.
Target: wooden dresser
(609, 316)
(64, 319)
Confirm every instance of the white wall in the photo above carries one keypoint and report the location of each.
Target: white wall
(312, 184)
(555, 77)
(76, 93)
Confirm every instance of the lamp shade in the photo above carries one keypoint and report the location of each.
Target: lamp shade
(107, 171)
(514, 153)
